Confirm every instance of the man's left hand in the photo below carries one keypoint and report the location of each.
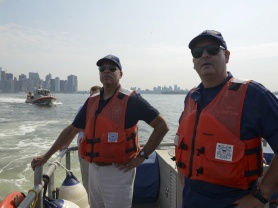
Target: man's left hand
(133, 163)
(248, 201)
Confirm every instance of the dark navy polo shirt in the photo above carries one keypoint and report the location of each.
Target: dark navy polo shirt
(259, 118)
(137, 109)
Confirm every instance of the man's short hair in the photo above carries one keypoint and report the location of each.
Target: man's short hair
(94, 88)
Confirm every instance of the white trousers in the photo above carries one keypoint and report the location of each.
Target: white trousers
(109, 187)
(84, 167)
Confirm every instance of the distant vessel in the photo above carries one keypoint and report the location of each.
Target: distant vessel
(41, 97)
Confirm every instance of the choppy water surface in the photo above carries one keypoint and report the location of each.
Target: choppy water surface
(27, 130)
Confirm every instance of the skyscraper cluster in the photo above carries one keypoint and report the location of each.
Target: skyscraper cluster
(11, 84)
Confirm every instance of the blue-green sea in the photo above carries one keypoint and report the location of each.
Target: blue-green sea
(27, 130)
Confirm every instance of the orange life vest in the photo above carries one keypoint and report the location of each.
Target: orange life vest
(105, 137)
(208, 145)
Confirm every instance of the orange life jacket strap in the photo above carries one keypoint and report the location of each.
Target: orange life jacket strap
(180, 164)
(92, 154)
(132, 136)
(234, 86)
(255, 150)
(92, 141)
(134, 147)
(259, 170)
(121, 95)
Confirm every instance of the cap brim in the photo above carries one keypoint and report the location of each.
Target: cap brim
(99, 62)
(194, 41)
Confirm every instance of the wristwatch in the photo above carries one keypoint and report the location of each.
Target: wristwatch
(143, 154)
(256, 192)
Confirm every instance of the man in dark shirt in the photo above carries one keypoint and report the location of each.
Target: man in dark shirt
(109, 121)
(209, 158)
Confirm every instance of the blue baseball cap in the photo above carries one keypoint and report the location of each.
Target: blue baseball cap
(210, 34)
(112, 58)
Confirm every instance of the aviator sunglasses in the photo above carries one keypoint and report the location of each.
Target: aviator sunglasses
(111, 68)
(211, 50)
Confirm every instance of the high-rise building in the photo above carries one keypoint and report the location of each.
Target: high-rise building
(47, 81)
(22, 77)
(9, 76)
(52, 85)
(22, 83)
(72, 83)
(34, 81)
(57, 84)
(63, 85)
(3, 75)
(2, 80)
(8, 83)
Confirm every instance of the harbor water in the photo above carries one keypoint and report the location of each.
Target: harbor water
(27, 130)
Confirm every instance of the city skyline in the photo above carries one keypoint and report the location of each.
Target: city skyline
(164, 89)
(68, 37)
(12, 84)
(35, 76)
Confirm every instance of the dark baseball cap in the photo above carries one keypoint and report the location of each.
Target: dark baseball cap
(112, 58)
(210, 34)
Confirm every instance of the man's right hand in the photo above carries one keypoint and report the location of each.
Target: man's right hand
(38, 161)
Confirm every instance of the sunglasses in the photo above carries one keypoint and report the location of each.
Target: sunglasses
(111, 68)
(211, 50)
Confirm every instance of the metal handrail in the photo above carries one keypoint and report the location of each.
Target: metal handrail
(36, 192)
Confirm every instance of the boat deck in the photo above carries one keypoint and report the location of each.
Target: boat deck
(169, 186)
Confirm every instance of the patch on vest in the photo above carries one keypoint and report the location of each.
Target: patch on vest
(176, 140)
(224, 152)
(112, 137)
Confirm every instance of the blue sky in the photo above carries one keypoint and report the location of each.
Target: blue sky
(150, 37)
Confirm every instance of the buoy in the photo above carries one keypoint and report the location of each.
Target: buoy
(58, 203)
(12, 200)
(72, 190)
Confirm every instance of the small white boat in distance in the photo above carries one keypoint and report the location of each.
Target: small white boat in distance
(41, 97)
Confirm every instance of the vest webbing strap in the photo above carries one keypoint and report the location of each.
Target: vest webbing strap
(132, 136)
(257, 172)
(257, 152)
(234, 86)
(134, 147)
(120, 95)
(92, 141)
(92, 154)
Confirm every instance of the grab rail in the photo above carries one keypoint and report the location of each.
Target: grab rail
(35, 194)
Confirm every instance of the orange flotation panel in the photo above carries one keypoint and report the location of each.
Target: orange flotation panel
(12, 200)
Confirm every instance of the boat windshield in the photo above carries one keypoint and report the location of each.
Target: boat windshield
(43, 92)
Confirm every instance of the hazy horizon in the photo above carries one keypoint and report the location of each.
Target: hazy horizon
(150, 38)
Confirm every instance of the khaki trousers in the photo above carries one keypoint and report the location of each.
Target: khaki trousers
(109, 187)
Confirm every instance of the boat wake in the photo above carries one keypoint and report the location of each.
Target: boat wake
(11, 100)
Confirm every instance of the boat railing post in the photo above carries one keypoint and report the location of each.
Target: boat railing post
(51, 186)
(68, 160)
(38, 181)
(35, 194)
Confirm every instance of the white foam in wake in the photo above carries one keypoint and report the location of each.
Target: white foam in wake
(11, 100)
(57, 103)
